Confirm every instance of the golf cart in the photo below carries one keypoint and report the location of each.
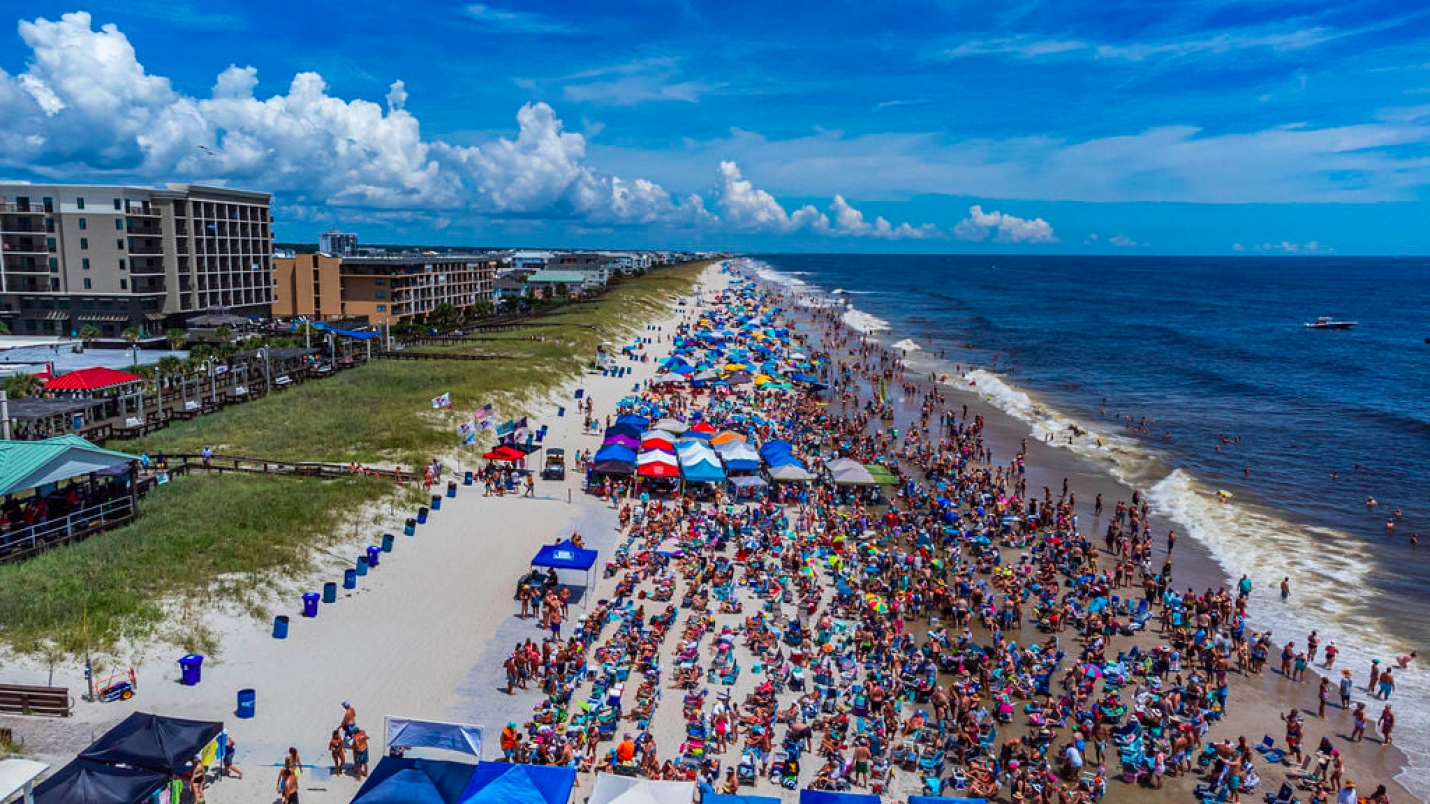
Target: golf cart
(555, 466)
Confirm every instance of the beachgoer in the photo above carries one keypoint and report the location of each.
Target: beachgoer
(229, 768)
(360, 757)
(1386, 724)
(338, 751)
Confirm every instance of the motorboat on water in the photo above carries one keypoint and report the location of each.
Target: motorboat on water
(1327, 322)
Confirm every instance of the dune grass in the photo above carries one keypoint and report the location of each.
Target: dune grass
(205, 536)
(191, 532)
(381, 413)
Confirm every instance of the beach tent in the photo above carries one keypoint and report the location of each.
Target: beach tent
(615, 452)
(18, 776)
(565, 556)
(826, 797)
(739, 456)
(881, 475)
(716, 798)
(673, 426)
(725, 437)
(702, 471)
(505, 783)
(790, 472)
(658, 439)
(406, 732)
(747, 481)
(163, 744)
(505, 452)
(638, 422)
(612, 789)
(403, 780)
(624, 429)
(657, 464)
(613, 468)
(622, 440)
(85, 781)
(667, 379)
(849, 473)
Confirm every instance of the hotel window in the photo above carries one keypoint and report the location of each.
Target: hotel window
(79, 202)
(382, 294)
(50, 242)
(85, 263)
(119, 243)
(382, 308)
(86, 284)
(119, 224)
(121, 265)
(84, 244)
(83, 224)
(54, 264)
(117, 204)
(124, 284)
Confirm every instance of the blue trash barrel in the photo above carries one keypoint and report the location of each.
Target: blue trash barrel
(467, 479)
(361, 566)
(436, 502)
(560, 411)
(422, 515)
(247, 704)
(374, 555)
(410, 528)
(451, 488)
(330, 592)
(190, 667)
(349, 579)
(387, 542)
(310, 604)
(280, 627)
(540, 436)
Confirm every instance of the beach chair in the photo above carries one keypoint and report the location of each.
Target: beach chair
(1286, 795)
(1268, 749)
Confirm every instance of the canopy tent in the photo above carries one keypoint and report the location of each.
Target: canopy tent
(613, 467)
(406, 732)
(702, 472)
(18, 776)
(881, 474)
(747, 481)
(85, 781)
(505, 783)
(505, 452)
(26, 465)
(739, 456)
(612, 789)
(97, 378)
(702, 428)
(658, 439)
(717, 798)
(348, 333)
(674, 426)
(724, 437)
(621, 440)
(790, 472)
(657, 464)
(849, 473)
(625, 430)
(667, 379)
(638, 422)
(614, 452)
(566, 556)
(826, 797)
(402, 780)
(144, 740)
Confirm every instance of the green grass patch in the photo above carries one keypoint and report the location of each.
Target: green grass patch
(191, 532)
(381, 413)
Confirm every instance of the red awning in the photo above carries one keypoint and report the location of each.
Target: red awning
(505, 453)
(656, 469)
(91, 379)
(703, 427)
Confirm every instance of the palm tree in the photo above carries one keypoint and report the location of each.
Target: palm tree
(132, 335)
(21, 386)
(88, 334)
(4, 328)
(176, 338)
(223, 334)
(169, 367)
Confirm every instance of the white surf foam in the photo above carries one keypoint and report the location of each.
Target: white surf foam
(907, 345)
(865, 323)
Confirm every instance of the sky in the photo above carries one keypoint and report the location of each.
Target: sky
(1026, 126)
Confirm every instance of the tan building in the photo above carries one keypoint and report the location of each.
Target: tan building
(387, 290)
(116, 257)
(307, 285)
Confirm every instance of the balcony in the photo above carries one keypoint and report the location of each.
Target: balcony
(146, 246)
(141, 209)
(23, 209)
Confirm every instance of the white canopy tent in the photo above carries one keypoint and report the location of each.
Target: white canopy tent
(612, 789)
(18, 776)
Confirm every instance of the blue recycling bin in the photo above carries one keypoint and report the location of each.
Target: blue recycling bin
(247, 704)
(310, 604)
(374, 555)
(349, 579)
(280, 627)
(191, 668)
(387, 542)
(451, 488)
(436, 502)
(467, 479)
(361, 567)
(540, 436)
(410, 528)
(422, 515)
(330, 592)
(560, 411)
(580, 392)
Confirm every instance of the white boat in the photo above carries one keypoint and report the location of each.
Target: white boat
(1326, 322)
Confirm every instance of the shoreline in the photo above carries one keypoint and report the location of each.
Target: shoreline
(1257, 706)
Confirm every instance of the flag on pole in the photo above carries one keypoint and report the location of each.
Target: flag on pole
(443, 401)
(467, 432)
(521, 429)
(506, 428)
(485, 417)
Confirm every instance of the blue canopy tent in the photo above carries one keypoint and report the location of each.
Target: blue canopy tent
(716, 798)
(348, 333)
(614, 452)
(567, 556)
(402, 780)
(702, 472)
(641, 423)
(826, 797)
(505, 783)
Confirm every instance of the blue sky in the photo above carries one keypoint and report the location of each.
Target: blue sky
(1211, 127)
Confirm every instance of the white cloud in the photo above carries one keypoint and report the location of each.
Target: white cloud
(850, 221)
(1002, 228)
(515, 22)
(634, 82)
(1122, 241)
(1022, 46)
(1287, 247)
(752, 209)
(1237, 247)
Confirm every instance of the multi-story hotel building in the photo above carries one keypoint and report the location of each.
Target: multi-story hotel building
(388, 290)
(120, 257)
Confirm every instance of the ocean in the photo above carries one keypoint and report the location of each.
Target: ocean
(1186, 377)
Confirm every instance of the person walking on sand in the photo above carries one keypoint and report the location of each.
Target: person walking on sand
(229, 769)
(360, 757)
(1346, 683)
(1386, 724)
(288, 785)
(338, 752)
(1321, 695)
(1358, 723)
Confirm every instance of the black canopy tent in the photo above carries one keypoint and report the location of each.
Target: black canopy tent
(144, 740)
(85, 781)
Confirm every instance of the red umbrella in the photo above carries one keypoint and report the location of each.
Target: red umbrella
(505, 453)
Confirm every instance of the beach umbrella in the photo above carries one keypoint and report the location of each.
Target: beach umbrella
(505, 453)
